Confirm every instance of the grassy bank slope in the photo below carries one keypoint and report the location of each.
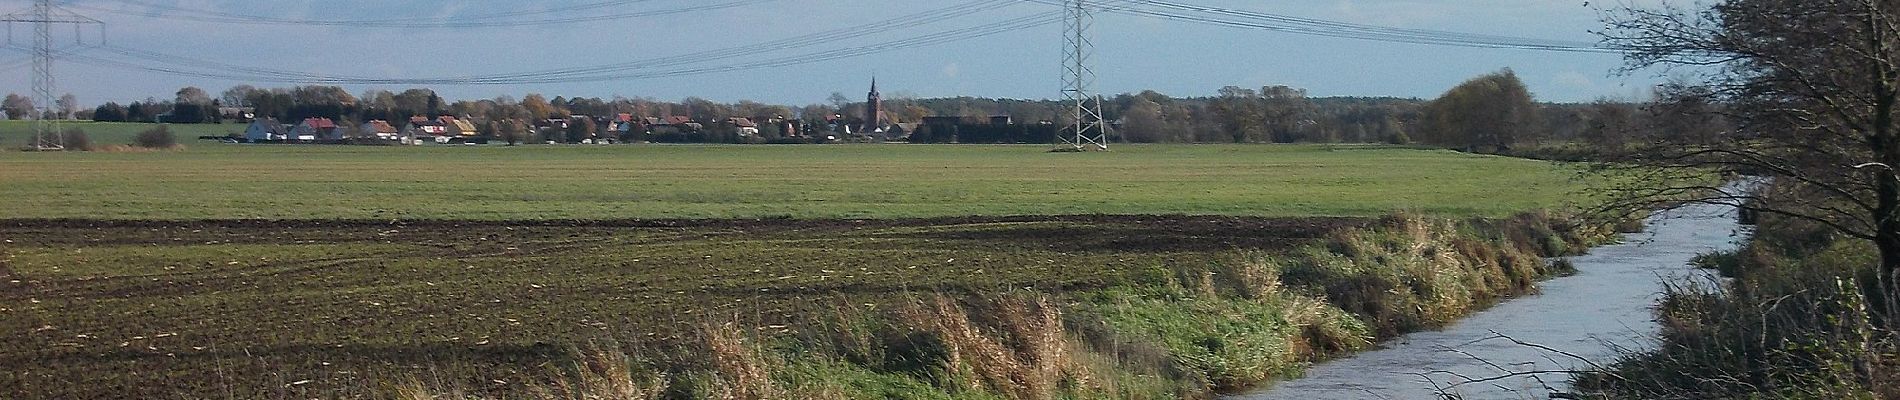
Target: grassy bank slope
(214, 181)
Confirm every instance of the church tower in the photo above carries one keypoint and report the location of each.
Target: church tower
(874, 109)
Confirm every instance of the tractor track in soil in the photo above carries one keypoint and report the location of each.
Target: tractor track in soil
(1085, 232)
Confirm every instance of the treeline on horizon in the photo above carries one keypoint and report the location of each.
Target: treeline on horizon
(1493, 113)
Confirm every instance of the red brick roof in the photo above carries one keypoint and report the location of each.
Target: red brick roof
(381, 126)
(320, 123)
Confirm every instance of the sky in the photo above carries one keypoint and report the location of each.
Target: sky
(1133, 53)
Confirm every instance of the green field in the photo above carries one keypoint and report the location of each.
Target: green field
(223, 181)
(14, 134)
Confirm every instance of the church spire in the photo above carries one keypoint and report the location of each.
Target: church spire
(874, 108)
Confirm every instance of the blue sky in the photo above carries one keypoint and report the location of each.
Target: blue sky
(1134, 53)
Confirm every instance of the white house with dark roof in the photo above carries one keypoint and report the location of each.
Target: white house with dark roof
(266, 129)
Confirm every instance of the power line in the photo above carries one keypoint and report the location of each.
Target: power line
(925, 18)
(922, 18)
(186, 66)
(645, 69)
(807, 58)
(260, 19)
(482, 21)
(1182, 12)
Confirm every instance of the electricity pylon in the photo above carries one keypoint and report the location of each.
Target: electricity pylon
(1089, 129)
(46, 134)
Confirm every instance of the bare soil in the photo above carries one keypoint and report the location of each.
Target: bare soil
(194, 309)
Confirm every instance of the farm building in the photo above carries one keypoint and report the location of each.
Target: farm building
(266, 129)
(313, 129)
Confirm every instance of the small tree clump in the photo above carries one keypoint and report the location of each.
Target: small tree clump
(75, 139)
(1399, 138)
(159, 137)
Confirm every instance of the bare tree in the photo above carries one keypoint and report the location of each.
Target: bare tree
(239, 96)
(18, 107)
(192, 95)
(68, 106)
(1239, 112)
(1143, 122)
(1804, 93)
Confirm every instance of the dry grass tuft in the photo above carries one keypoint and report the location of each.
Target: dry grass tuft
(605, 374)
(416, 389)
(743, 371)
(1023, 354)
(124, 148)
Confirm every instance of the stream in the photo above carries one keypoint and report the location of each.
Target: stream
(1606, 306)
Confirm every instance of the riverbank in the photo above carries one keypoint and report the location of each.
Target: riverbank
(1091, 307)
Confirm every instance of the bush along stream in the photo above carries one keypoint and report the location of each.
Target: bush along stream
(1168, 332)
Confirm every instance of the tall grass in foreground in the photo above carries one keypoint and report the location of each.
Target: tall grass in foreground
(1186, 332)
(1791, 322)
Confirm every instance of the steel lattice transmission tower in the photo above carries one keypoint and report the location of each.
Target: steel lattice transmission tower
(46, 133)
(1090, 128)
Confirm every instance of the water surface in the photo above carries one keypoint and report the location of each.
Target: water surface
(1606, 305)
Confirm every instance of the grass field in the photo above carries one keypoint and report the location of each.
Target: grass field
(221, 181)
(15, 134)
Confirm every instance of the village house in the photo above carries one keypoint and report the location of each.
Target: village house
(424, 130)
(683, 122)
(444, 129)
(380, 129)
(745, 126)
(787, 127)
(314, 129)
(458, 126)
(266, 129)
(620, 126)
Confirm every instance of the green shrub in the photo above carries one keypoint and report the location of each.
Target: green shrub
(158, 137)
(75, 139)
